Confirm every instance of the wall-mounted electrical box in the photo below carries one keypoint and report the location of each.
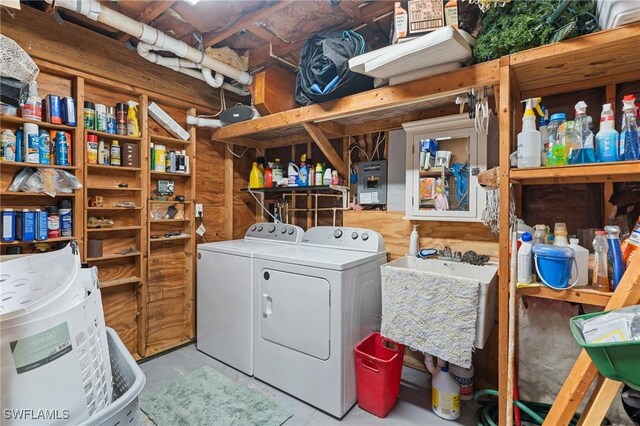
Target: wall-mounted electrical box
(372, 182)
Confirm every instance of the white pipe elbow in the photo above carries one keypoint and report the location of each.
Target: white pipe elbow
(211, 80)
(429, 364)
(204, 122)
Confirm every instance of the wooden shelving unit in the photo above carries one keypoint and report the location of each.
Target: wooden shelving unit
(586, 295)
(170, 293)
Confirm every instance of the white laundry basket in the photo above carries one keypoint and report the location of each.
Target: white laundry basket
(128, 381)
(54, 357)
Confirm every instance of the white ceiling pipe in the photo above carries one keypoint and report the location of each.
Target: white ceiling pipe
(242, 91)
(148, 34)
(204, 122)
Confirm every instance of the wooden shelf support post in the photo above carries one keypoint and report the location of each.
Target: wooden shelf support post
(327, 149)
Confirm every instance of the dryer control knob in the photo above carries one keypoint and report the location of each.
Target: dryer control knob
(365, 236)
(259, 228)
(272, 229)
(253, 228)
(354, 235)
(283, 231)
(337, 233)
(292, 231)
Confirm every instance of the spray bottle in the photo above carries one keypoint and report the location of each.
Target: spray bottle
(607, 137)
(583, 152)
(529, 139)
(544, 136)
(615, 254)
(629, 144)
(132, 119)
(303, 172)
(414, 241)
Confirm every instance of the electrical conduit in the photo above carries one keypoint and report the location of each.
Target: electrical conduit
(157, 40)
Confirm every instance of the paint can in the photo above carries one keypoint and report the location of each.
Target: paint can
(44, 145)
(69, 111)
(92, 149)
(31, 151)
(101, 117)
(111, 120)
(61, 149)
(160, 158)
(53, 112)
(89, 115)
(121, 119)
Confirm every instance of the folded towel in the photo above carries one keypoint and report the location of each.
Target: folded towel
(430, 312)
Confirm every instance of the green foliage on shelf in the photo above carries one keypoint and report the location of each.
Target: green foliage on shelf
(522, 25)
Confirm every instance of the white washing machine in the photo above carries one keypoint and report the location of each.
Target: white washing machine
(315, 302)
(225, 304)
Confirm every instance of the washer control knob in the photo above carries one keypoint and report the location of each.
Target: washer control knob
(259, 228)
(365, 236)
(253, 228)
(292, 231)
(337, 233)
(283, 230)
(272, 229)
(354, 235)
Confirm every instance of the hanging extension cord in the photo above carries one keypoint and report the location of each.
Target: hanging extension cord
(532, 412)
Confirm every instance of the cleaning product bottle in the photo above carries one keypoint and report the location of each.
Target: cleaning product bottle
(631, 246)
(581, 268)
(292, 174)
(414, 241)
(615, 254)
(529, 139)
(629, 135)
(544, 136)
(607, 138)
(557, 140)
(277, 172)
(303, 172)
(326, 179)
(115, 154)
(32, 108)
(445, 395)
(464, 377)
(256, 177)
(525, 259)
(601, 262)
(560, 234)
(132, 119)
(582, 151)
(539, 235)
(318, 175)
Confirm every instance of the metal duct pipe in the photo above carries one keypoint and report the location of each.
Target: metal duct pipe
(145, 33)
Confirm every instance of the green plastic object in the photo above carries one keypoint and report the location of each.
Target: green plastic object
(618, 361)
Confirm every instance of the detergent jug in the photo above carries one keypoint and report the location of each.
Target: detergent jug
(292, 174)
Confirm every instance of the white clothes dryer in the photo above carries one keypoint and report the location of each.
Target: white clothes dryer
(225, 304)
(314, 303)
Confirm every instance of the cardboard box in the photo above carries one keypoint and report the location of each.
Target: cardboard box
(418, 17)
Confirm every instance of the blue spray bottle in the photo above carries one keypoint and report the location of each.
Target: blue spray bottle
(303, 173)
(615, 254)
(607, 137)
(19, 136)
(629, 144)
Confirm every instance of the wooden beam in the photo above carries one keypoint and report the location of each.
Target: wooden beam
(242, 141)
(213, 38)
(151, 12)
(413, 92)
(331, 128)
(228, 193)
(327, 149)
(584, 372)
(490, 178)
(600, 402)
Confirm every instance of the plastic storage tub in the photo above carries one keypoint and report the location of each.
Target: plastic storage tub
(378, 371)
(128, 381)
(618, 361)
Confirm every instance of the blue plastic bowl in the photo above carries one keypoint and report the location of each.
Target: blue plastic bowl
(553, 264)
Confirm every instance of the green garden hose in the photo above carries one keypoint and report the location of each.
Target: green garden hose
(532, 412)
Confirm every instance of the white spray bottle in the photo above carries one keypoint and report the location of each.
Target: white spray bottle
(529, 139)
(414, 242)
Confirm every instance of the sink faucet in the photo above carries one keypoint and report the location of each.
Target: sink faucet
(447, 254)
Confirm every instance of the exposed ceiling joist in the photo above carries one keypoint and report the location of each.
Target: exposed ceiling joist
(213, 38)
(151, 12)
(325, 146)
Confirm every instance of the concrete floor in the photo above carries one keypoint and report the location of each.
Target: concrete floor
(413, 406)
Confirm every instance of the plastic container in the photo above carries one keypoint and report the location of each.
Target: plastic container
(607, 138)
(553, 265)
(529, 139)
(32, 108)
(615, 254)
(378, 371)
(256, 177)
(292, 174)
(445, 395)
(544, 138)
(617, 361)
(277, 172)
(464, 378)
(539, 234)
(128, 382)
(560, 234)
(414, 241)
(629, 142)
(557, 140)
(116, 154)
(159, 158)
(525, 259)
(581, 271)
(583, 151)
(600, 280)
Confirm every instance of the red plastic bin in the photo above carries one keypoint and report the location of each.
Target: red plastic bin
(378, 371)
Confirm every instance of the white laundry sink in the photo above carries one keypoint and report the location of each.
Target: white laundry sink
(487, 275)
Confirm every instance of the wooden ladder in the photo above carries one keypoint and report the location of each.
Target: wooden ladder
(584, 372)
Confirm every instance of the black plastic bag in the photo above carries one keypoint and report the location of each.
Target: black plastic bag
(323, 71)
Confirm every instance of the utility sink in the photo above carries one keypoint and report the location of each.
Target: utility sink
(487, 275)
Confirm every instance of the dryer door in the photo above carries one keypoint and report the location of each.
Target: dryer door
(295, 312)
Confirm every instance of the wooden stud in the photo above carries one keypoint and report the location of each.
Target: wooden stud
(79, 217)
(143, 271)
(490, 178)
(600, 402)
(190, 290)
(326, 148)
(228, 193)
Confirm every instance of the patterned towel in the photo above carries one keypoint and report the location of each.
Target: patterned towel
(430, 312)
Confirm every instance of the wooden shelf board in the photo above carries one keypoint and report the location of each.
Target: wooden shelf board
(306, 189)
(181, 237)
(581, 173)
(171, 201)
(35, 194)
(112, 256)
(153, 173)
(112, 188)
(119, 282)
(168, 140)
(111, 136)
(105, 167)
(43, 124)
(16, 164)
(50, 240)
(113, 208)
(434, 171)
(169, 220)
(586, 295)
(114, 229)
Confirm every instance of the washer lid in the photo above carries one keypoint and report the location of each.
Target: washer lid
(324, 258)
(242, 247)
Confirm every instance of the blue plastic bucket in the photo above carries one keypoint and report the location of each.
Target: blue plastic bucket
(553, 265)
